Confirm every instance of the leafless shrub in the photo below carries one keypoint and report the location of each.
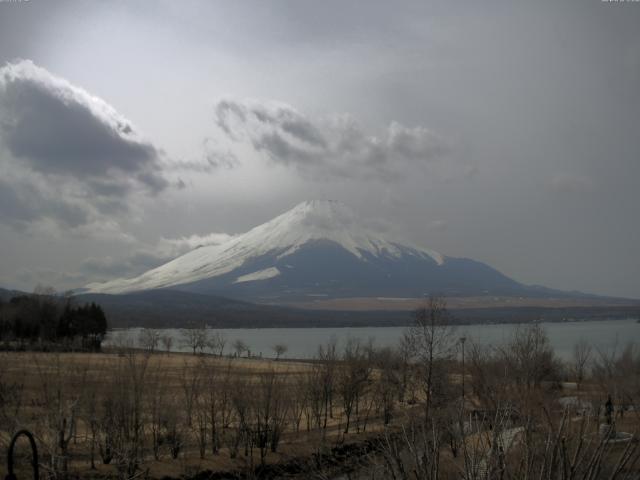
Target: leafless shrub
(239, 346)
(167, 342)
(149, 339)
(156, 406)
(11, 399)
(123, 419)
(216, 343)
(617, 374)
(61, 410)
(195, 338)
(279, 349)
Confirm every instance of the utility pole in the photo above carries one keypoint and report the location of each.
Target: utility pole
(462, 340)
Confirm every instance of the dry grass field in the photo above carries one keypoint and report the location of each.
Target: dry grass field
(411, 304)
(509, 411)
(178, 400)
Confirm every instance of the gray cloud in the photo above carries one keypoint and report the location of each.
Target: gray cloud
(333, 147)
(571, 183)
(31, 277)
(109, 267)
(146, 257)
(214, 158)
(22, 202)
(66, 155)
(172, 247)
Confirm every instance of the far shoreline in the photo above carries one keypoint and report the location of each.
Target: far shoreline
(321, 327)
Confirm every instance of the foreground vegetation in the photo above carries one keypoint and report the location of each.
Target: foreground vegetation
(437, 406)
(46, 320)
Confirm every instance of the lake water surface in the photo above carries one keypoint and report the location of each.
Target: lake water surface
(304, 342)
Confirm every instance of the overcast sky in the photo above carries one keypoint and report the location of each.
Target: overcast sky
(500, 131)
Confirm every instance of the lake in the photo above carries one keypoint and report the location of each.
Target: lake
(304, 342)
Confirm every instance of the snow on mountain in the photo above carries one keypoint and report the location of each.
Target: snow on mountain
(265, 274)
(308, 222)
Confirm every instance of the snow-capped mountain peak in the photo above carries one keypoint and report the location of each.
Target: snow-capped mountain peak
(326, 220)
(306, 223)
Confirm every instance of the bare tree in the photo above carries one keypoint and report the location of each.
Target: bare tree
(268, 413)
(388, 383)
(190, 380)
(217, 399)
(167, 342)
(316, 394)
(195, 338)
(201, 408)
(490, 375)
(123, 422)
(62, 409)
(352, 375)
(241, 431)
(432, 342)
(404, 354)
(581, 356)
(149, 339)
(531, 356)
(299, 399)
(412, 454)
(156, 406)
(216, 343)
(90, 414)
(279, 349)
(327, 361)
(240, 347)
(562, 447)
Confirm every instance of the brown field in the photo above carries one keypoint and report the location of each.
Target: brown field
(409, 304)
(72, 387)
(132, 414)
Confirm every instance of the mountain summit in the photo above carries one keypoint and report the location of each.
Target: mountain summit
(321, 220)
(319, 248)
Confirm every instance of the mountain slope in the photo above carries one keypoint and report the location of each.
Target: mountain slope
(318, 248)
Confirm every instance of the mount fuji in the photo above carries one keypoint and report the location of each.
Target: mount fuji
(319, 249)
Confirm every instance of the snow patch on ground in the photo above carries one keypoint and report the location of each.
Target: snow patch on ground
(259, 275)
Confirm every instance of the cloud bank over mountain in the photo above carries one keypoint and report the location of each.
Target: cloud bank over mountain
(336, 146)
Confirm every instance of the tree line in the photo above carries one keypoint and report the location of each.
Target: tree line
(46, 319)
